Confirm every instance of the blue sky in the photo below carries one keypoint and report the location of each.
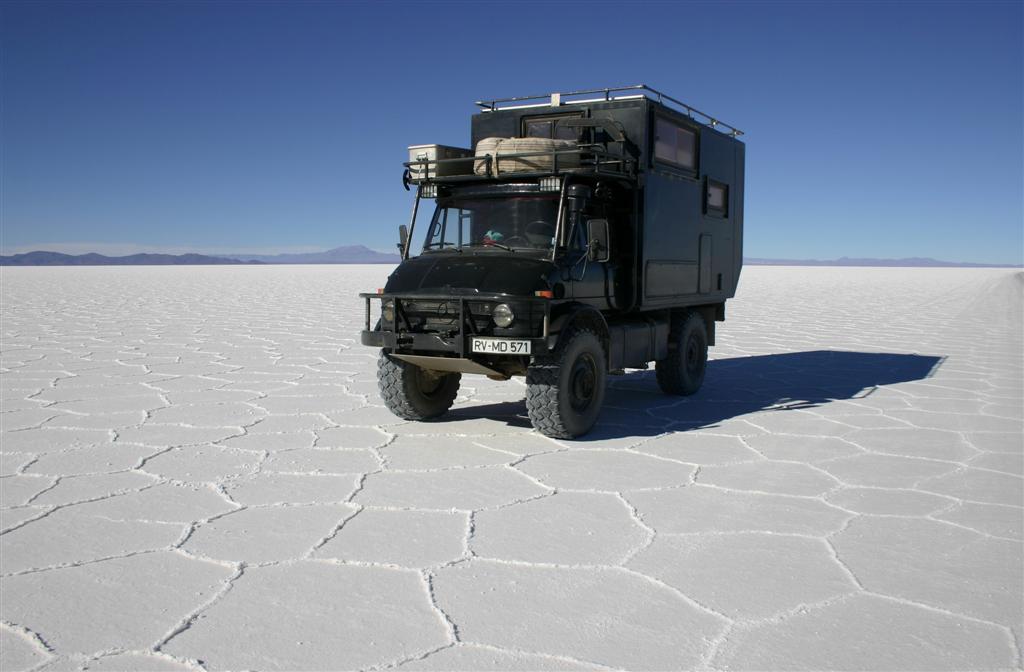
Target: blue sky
(873, 129)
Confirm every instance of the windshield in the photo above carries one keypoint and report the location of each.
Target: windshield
(516, 222)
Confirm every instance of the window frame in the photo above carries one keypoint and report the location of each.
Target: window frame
(682, 125)
(712, 210)
(525, 121)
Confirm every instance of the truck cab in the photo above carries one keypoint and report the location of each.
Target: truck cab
(583, 234)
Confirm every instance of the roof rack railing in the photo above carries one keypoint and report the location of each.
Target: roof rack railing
(642, 89)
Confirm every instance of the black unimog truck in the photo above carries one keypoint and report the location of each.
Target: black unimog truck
(585, 234)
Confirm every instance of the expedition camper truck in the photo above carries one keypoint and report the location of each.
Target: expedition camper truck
(586, 233)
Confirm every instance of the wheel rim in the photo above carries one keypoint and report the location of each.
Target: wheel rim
(428, 384)
(692, 356)
(582, 382)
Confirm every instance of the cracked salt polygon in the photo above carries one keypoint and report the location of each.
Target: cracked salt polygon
(9, 518)
(127, 603)
(166, 502)
(298, 405)
(746, 575)
(710, 509)
(995, 520)
(164, 436)
(324, 616)
(289, 424)
(92, 460)
(802, 448)
(45, 440)
(93, 486)
(913, 442)
(699, 448)
(782, 478)
(33, 417)
(69, 536)
(18, 653)
(422, 452)
(477, 657)
(567, 528)
(959, 422)
(1004, 462)
(111, 421)
(607, 615)
(267, 534)
(885, 471)
(10, 463)
(270, 488)
(867, 632)
(465, 489)
(979, 485)
(962, 571)
(199, 464)
(135, 661)
(406, 538)
(322, 461)
(608, 470)
(19, 489)
(207, 415)
(107, 405)
(350, 437)
(888, 501)
(256, 441)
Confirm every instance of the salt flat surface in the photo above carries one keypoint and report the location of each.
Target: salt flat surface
(197, 473)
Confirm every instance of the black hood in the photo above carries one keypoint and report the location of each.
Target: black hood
(486, 273)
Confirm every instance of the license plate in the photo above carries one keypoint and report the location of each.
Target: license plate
(501, 346)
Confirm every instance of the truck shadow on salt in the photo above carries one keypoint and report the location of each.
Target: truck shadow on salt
(733, 388)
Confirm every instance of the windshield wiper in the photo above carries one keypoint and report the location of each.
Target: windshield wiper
(492, 244)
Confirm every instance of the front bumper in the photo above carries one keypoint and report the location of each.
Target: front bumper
(403, 338)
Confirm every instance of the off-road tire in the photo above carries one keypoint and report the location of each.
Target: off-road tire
(565, 389)
(411, 393)
(682, 372)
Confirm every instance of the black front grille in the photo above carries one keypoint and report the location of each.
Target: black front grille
(443, 317)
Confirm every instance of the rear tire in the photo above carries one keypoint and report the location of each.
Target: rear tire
(413, 393)
(565, 390)
(682, 372)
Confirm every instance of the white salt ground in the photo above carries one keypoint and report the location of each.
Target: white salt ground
(197, 473)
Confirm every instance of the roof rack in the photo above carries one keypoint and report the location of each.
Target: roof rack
(644, 91)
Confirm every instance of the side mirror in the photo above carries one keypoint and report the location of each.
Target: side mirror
(403, 238)
(597, 235)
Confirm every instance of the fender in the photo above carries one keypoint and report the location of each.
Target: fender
(578, 315)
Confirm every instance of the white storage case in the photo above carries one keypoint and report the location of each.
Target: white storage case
(436, 153)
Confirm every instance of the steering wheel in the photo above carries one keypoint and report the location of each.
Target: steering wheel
(520, 239)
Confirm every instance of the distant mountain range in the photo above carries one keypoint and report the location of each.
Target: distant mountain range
(350, 254)
(911, 262)
(358, 254)
(92, 259)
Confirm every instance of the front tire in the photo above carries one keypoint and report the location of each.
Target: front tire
(413, 393)
(565, 390)
(682, 372)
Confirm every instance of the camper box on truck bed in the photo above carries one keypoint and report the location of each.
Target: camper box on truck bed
(586, 233)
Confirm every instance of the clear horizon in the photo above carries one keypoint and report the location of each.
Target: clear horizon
(873, 130)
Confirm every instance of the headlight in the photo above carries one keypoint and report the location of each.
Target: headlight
(387, 311)
(503, 315)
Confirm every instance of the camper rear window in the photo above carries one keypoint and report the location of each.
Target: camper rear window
(549, 128)
(717, 202)
(674, 144)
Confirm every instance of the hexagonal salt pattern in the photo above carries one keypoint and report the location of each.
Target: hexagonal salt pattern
(196, 473)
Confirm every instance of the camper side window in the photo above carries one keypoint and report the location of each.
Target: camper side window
(716, 199)
(674, 144)
(549, 128)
